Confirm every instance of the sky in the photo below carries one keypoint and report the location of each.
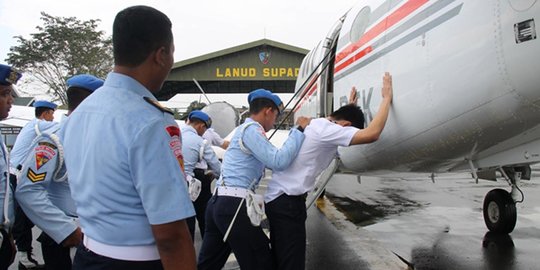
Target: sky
(199, 27)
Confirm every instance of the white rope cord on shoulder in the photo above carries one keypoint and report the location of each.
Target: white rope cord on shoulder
(60, 162)
(201, 150)
(241, 139)
(6, 197)
(36, 128)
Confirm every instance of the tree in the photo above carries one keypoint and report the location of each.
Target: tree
(62, 47)
(194, 105)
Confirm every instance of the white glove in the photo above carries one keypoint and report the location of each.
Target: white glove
(194, 188)
(255, 208)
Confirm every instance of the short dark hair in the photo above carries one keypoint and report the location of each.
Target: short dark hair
(76, 95)
(259, 104)
(40, 110)
(137, 32)
(196, 121)
(351, 113)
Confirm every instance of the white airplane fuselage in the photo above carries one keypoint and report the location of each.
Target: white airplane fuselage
(465, 75)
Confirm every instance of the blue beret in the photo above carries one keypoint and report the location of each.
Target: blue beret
(263, 93)
(46, 104)
(200, 115)
(9, 75)
(85, 81)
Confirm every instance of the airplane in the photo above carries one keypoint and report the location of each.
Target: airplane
(466, 90)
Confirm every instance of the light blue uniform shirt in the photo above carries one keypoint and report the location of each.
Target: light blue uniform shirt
(43, 190)
(24, 140)
(241, 169)
(124, 159)
(191, 149)
(5, 188)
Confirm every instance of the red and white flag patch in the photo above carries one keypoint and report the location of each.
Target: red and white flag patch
(175, 143)
(44, 153)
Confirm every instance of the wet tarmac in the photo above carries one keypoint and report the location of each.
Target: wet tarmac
(440, 225)
(431, 225)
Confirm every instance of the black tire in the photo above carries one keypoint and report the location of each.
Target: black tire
(499, 210)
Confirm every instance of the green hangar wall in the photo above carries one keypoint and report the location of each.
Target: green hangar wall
(260, 64)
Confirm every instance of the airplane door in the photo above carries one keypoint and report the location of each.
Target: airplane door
(327, 78)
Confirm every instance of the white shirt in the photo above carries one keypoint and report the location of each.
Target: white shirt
(319, 148)
(211, 136)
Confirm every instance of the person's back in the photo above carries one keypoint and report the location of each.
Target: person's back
(243, 166)
(123, 154)
(195, 150)
(100, 181)
(322, 138)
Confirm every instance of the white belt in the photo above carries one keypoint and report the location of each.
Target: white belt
(232, 191)
(14, 171)
(126, 253)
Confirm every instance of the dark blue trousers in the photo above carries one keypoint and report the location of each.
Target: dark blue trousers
(56, 256)
(85, 259)
(249, 244)
(6, 250)
(200, 203)
(22, 227)
(287, 217)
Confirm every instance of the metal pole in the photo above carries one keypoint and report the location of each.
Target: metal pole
(200, 88)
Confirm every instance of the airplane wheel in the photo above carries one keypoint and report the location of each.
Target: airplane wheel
(500, 211)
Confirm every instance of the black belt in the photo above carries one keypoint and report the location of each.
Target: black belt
(301, 196)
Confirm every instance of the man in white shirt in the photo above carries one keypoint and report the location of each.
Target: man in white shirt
(213, 138)
(285, 197)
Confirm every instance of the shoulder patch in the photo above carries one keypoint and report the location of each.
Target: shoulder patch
(158, 106)
(259, 128)
(44, 152)
(35, 177)
(175, 143)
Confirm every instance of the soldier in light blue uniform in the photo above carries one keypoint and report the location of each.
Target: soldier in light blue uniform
(124, 157)
(8, 77)
(249, 153)
(195, 150)
(22, 229)
(42, 123)
(43, 190)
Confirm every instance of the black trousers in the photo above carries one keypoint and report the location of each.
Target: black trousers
(250, 245)
(56, 256)
(85, 259)
(200, 203)
(22, 228)
(287, 217)
(6, 250)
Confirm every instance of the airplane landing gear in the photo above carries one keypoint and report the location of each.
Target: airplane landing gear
(500, 213)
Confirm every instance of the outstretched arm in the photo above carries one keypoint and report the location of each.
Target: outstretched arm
(272, 157)
(375, 128)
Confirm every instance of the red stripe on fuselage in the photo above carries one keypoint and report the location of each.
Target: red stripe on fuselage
(375, 31)
(311, 91)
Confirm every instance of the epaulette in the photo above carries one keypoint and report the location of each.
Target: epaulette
(158, 106)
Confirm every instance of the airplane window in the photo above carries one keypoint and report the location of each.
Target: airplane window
(360, 24)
